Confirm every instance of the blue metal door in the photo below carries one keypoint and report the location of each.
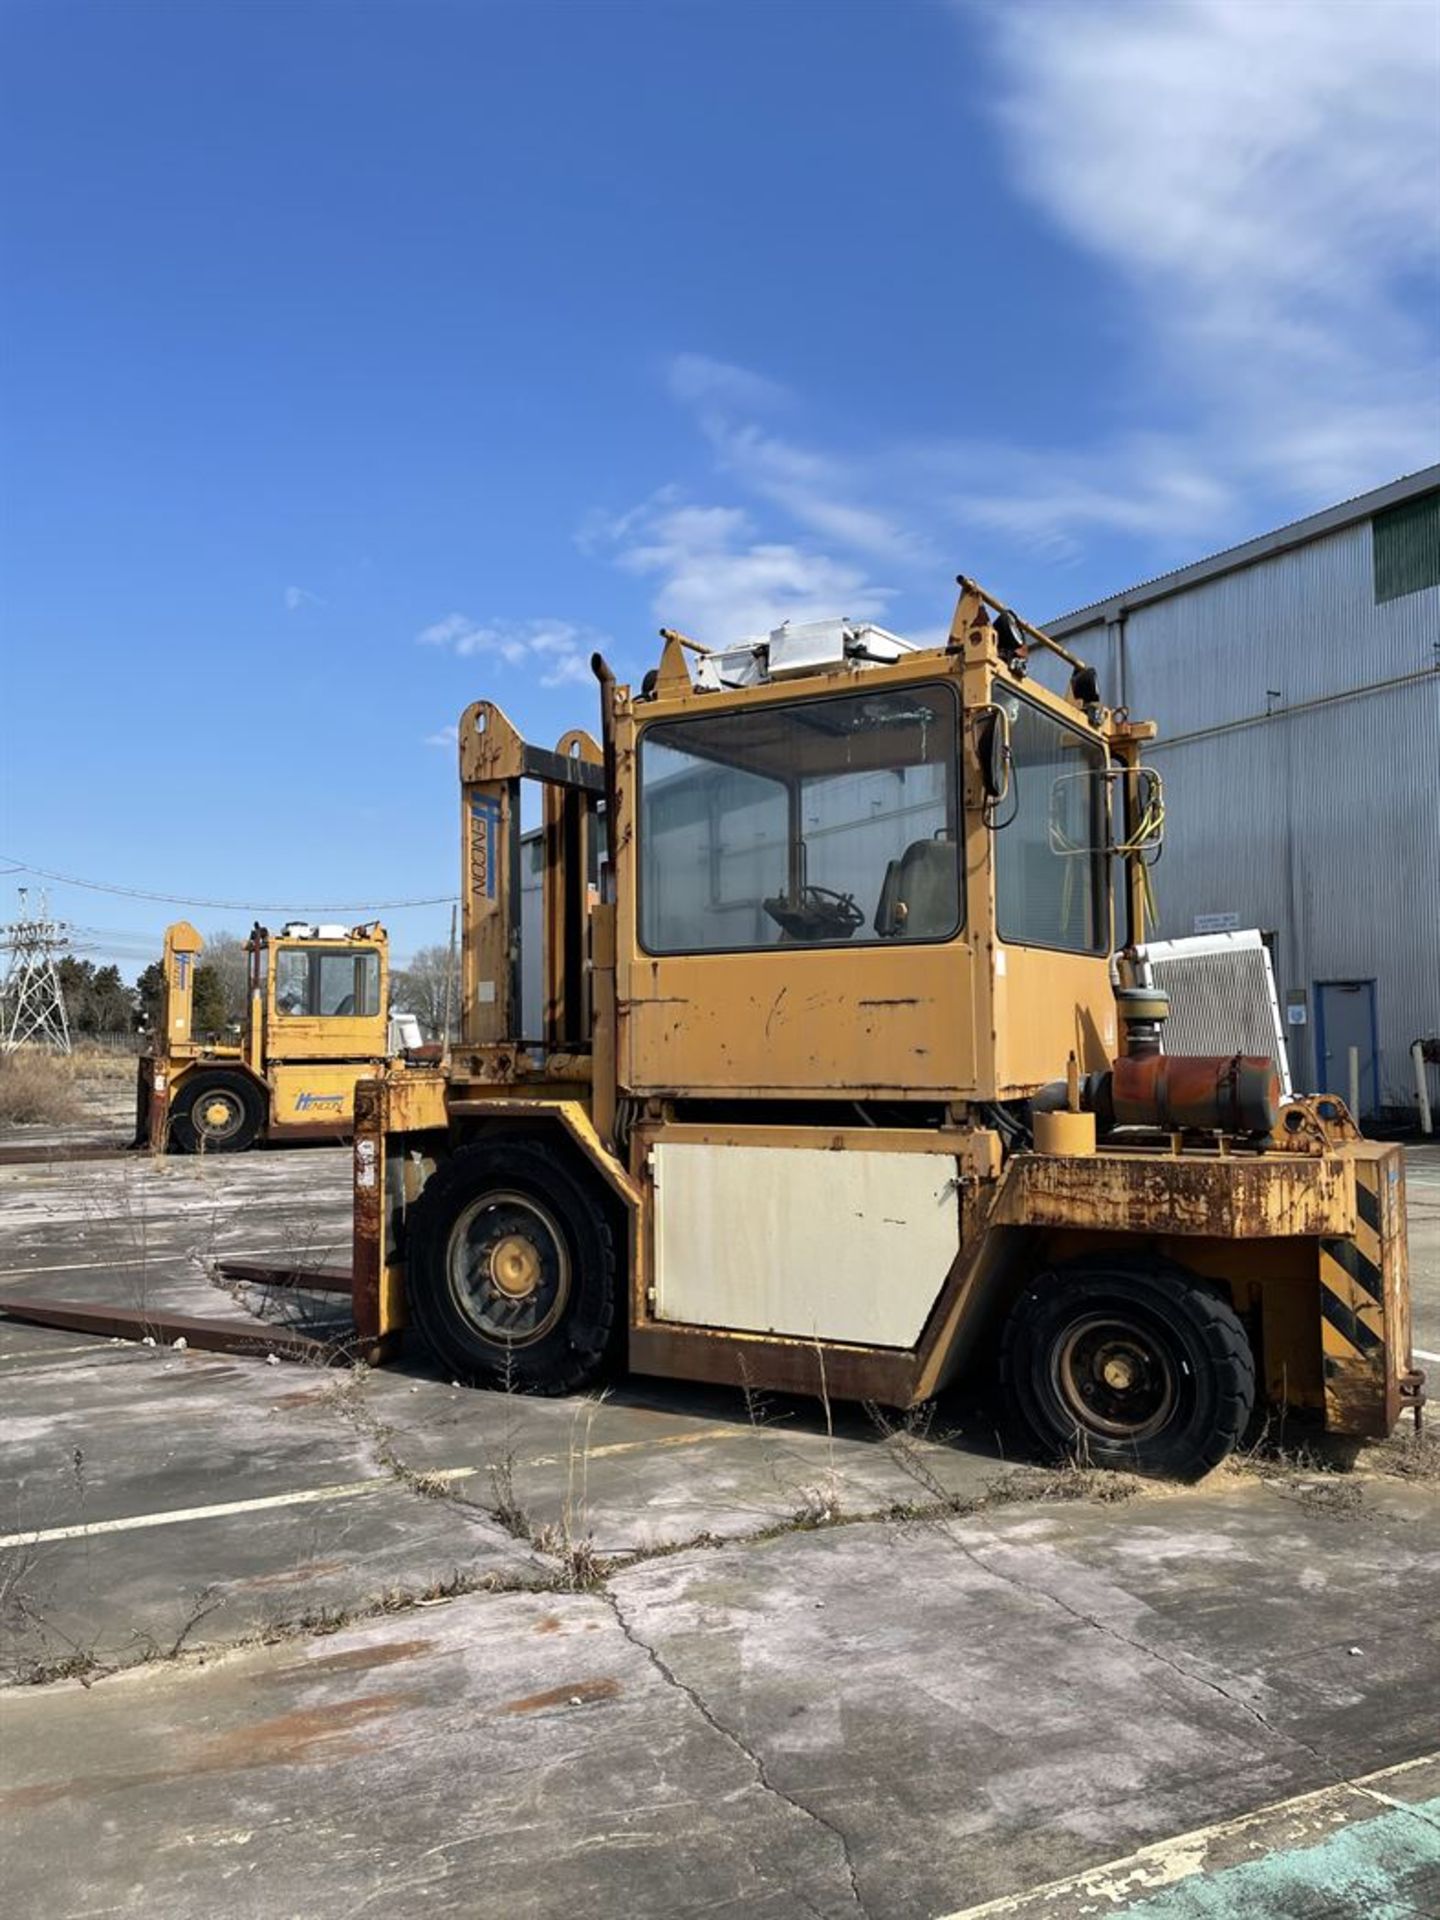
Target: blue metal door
(1345, 1019)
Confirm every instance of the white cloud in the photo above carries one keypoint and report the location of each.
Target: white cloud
(1145, 487)
(447, 737)
(697, 380)
(821, 491)
(558, 649)
(298, 597)
(1262, 180)
(717, 580)
(1257, 179)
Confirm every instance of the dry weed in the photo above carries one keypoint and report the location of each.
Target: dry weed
(38, 1089)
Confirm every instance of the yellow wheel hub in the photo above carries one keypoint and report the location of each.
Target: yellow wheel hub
(1119, 1372)
(514, 1267)
(216, 1113)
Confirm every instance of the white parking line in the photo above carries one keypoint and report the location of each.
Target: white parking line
(345, 1490)
(1165, 1862)
(1421, 1354)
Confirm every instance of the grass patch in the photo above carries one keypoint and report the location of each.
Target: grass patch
(96, 1069)
(39, 1089)
(1409, 1455)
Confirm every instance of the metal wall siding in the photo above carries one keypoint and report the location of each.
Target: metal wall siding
(1301, 626)
(1325, 827)
(1304, 624)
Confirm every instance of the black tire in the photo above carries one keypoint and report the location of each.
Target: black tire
(1128, 1364)
(511, 1269)
(217, 1113)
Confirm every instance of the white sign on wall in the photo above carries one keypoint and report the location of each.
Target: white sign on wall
(1217, 922)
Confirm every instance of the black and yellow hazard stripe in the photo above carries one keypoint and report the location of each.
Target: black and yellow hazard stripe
(1352, 1299)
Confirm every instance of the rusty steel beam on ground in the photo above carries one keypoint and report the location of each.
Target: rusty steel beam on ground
(259, 1273)
(30, 1153)
(211, 1336)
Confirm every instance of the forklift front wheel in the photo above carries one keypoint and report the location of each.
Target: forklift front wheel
(1129, 1364)
(217, 1113)
(512, 1269)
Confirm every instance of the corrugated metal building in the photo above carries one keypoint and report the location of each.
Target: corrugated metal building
(1296, 680)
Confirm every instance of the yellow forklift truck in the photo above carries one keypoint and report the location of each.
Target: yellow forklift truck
(315, 1023)
(849, 1080)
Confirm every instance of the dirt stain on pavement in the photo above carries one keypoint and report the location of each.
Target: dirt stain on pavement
(308, 1736)
(356, 1659)
(578, 1693)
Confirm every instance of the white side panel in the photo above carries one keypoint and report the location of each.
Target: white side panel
(851, 1246)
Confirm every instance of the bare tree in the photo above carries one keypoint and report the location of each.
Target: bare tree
(420, 989)
(225, 956)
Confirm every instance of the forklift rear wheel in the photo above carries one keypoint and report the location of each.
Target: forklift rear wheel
(217, 1113)
(1137, 1365)
(512, 1269)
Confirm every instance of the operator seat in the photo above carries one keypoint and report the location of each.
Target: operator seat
(920, 895)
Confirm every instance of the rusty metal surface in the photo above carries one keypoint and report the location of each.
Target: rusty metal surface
(258, 1273)
(1233, 1093)
(822, 1369)
(1215, 1197)
(571, 1116)
(1311, 1123)
(211, 1336)
(29, 1153)
(368, 1226)
(414, 1099)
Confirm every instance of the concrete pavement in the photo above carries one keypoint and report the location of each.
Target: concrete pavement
(367, 1643)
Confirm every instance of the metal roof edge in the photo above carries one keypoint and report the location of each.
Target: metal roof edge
(1298, 533)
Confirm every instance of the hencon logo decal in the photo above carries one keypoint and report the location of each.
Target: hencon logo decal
(308, 1102)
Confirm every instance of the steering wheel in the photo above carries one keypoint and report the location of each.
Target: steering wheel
(819, 914)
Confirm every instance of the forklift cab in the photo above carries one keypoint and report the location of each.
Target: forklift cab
(320, 991)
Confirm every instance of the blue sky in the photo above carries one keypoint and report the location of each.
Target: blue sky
(361, 359)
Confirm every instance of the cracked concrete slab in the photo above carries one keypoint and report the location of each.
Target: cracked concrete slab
(896, 1720)
(514, 1755)
(139, 1229)
(159, 1497)
(809, 1712)
(977, 1706)
(644, 1467)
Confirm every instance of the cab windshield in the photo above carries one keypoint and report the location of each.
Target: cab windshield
(314, 982)
(825, 822)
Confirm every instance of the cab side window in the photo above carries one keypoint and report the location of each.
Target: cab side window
(292, 980)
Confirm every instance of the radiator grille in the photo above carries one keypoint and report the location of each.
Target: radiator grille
(1222, 997)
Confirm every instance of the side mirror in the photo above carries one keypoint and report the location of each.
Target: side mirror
(1086, 809)
(992, 750)
(1077, 820)
(1147, 835)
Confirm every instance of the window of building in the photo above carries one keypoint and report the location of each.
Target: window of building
(317, 982)
(830, 821)
(1050, 861)
(1405, 543)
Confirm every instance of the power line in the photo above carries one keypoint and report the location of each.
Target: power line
(228, 906)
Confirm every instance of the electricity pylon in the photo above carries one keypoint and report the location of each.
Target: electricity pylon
(32, 1002)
